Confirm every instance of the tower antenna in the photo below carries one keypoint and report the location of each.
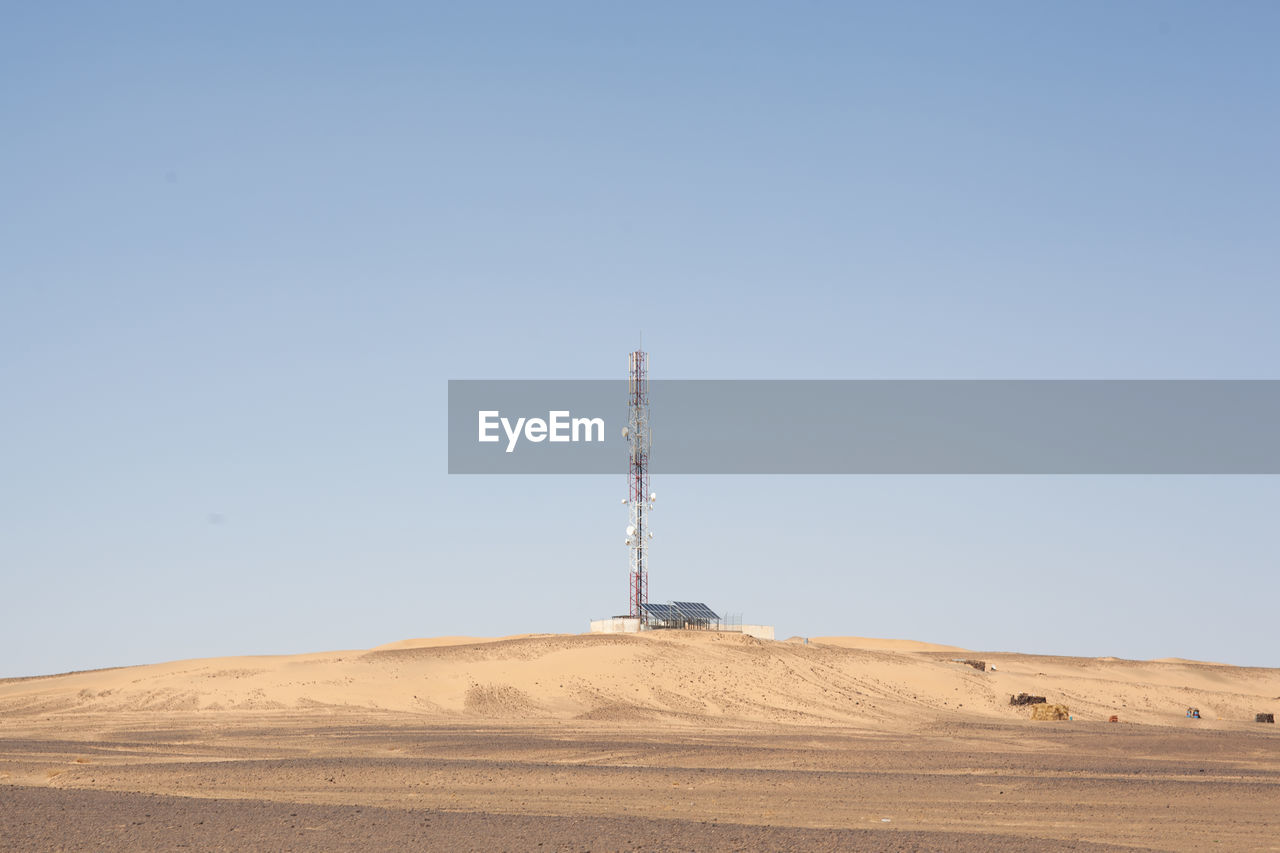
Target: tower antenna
(639, 498)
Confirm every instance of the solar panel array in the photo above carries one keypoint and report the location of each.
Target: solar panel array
(661, 612)
(681, 611)
(696, 610)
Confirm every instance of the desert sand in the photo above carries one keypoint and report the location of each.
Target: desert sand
(661, 741)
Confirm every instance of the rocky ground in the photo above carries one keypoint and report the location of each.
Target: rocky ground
(302, 781)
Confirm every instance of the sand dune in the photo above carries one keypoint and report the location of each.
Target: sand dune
(430, 642)
(680, 677)
(1188, 660)
(667, 740)
(885, 645)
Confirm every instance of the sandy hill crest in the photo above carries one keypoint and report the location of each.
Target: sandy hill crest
(675, 676)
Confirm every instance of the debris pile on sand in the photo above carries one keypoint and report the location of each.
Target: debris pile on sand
(1265, 718)
(1027, 699)
(1050, 712)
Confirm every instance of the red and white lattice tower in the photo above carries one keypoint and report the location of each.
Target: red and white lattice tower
(639, 498)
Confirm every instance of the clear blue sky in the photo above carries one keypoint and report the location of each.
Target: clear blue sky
(242, 249)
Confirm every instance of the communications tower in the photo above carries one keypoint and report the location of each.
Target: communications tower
(639, 499)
